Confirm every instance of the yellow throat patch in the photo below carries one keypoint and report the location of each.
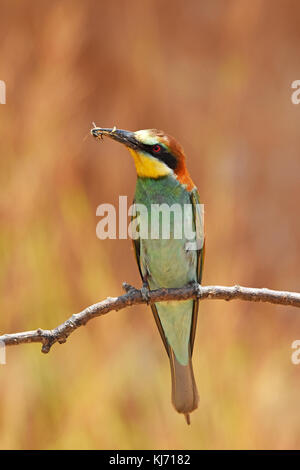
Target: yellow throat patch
(149, 167)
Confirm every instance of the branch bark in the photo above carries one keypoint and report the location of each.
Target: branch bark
(134, 296)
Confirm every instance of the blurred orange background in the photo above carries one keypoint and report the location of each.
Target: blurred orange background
(216, 75)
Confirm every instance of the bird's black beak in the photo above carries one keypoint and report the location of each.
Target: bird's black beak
(124, 137)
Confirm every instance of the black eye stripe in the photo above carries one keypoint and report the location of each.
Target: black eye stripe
(168, 159)
(163, 155)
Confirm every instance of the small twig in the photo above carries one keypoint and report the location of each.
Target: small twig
(134, 296)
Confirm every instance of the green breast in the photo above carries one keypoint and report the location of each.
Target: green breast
(166, 259)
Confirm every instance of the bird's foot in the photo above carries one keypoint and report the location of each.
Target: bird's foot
(145, 293)
(128, 288)
(197, 288)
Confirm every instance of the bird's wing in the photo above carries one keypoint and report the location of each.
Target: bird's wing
(198, 216)
(136, 248)
(136, 244)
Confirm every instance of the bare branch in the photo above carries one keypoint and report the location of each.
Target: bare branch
(134, 296)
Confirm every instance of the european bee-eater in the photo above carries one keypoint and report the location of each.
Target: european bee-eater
(162, 178)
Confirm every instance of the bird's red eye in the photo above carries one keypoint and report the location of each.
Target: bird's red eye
(156, 148)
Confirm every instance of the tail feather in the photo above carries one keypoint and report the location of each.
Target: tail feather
(184, 390)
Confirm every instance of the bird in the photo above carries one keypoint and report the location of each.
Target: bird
(163, 179)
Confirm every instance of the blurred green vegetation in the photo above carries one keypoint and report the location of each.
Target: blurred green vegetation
(217, 76)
